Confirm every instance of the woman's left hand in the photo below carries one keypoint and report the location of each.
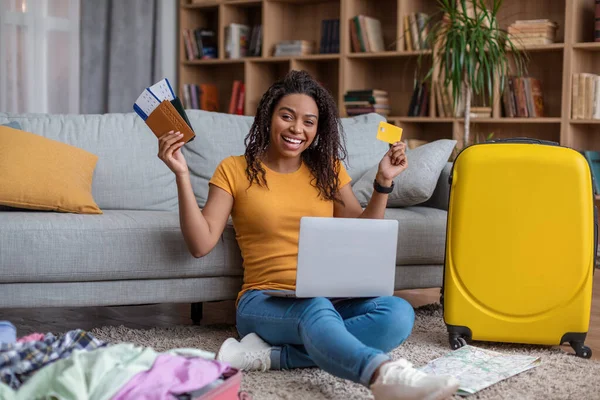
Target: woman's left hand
(392, 164)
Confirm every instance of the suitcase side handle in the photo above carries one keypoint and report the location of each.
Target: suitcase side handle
(524, 140)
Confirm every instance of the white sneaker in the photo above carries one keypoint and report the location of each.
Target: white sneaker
(398, 380)
(251, 354)
(252, 339)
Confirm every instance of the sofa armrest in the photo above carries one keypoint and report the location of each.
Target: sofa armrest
(441, 195)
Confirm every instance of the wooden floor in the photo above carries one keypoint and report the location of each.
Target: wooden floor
(59, 320)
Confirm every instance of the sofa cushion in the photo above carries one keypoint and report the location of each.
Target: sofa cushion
(12, 124)
(364, 150)
(128, 175)
(118, 245)
(421, 235)
(417, 183)
(221, 135)
(43, 174)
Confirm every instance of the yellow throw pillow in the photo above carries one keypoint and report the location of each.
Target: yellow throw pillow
(38, 173)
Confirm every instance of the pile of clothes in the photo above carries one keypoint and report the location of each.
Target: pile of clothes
(77, 365)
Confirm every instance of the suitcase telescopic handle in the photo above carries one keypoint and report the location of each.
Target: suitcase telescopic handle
(524, 140)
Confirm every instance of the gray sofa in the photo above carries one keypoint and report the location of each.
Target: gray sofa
(134, 252)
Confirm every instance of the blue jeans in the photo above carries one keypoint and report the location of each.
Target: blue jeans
(348, 339)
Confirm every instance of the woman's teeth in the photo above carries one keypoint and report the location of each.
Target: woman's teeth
(290, 140)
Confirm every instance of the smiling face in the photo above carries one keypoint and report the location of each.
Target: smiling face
(293, 125)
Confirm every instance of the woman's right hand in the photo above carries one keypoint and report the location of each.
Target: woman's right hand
(169, 151)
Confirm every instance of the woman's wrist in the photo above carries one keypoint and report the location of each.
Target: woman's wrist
(381, 180)
(182, 176)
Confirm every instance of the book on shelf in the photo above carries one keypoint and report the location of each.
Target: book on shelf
(201, 97)
(585, 92)
(366, 101)
(523, 97)
(597, 22)
(330, 36)
(290, 48)
(242, 40)
(481, 112)
(366, 34)
(200, 43)
(533, 32)
(238, 93)
(419, 101)
(416, 29)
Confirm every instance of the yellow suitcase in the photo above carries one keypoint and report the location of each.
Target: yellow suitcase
(521, 245)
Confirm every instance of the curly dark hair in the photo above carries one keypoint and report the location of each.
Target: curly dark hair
(323, 157)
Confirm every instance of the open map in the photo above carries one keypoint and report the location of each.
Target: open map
(477, 368)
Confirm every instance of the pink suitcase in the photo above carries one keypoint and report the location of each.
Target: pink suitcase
(230, 390)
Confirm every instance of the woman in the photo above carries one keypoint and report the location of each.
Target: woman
(292, 167)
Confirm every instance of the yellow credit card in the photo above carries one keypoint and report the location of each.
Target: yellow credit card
(389, 133)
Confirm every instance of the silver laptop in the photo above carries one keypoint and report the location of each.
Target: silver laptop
(345, 257)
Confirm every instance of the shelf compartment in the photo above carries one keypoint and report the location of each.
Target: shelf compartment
(481, 130)
(221, 75)
(395, 75)
(296, 21)
(550, 80)
(584, 136)
(584, 12)
(429, 7)
(554, 10)
(199, 16)
(244, 13)
(260, 75)
(582, 62)
(386, 11)
(324, 71)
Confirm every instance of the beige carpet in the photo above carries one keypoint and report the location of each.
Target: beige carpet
(560, 376)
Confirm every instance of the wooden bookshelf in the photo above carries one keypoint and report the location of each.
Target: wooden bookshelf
(393, 69)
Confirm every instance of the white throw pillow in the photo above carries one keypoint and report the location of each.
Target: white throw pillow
(416, 184)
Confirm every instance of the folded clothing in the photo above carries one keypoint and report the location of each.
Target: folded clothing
(18, 361)
(8, 332)
(31, 338)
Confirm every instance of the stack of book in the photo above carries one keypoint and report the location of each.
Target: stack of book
(200, 97)
(585, 93)
(366, 35)
(200, 43)
(523, 97)
(533, 32)
(293, 48)
(242, 40)
(330, 36)
(415, 31)
(367, 101)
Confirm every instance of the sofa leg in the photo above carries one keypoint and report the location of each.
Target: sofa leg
(196, 313)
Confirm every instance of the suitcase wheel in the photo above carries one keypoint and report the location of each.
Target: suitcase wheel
(581, 350)
(457, 341)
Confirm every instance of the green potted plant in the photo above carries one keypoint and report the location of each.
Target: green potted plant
(470, 51)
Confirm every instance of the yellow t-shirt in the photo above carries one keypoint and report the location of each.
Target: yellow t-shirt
(267, 220)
